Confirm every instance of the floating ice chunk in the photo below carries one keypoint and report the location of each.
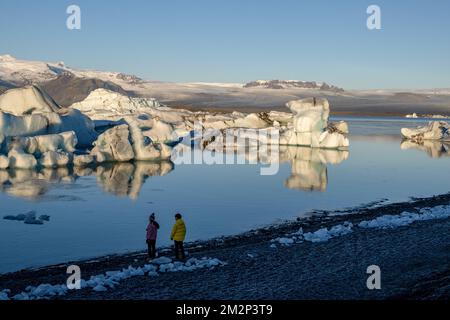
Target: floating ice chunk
(27, 100)
(102, 103)
(113, 145)
(311, 128)
(83, 160)
(333, 140)
(29, 111)
(55, 159)
(273, 246)
(436, 130)
(32, 220)
(160, 132)
(27, 125)
(19, 217)
(18, 159)
(37, 145)
(145, 150)
(28, 218)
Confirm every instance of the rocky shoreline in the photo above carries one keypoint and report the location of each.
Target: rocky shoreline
(254, 270)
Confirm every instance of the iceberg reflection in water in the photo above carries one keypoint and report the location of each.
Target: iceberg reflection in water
(308, 167)
(121, 179)
(435, 149)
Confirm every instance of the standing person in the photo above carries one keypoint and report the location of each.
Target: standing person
(152, 234)
(178, 235)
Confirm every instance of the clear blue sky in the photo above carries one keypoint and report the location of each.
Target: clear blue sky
(240, 40)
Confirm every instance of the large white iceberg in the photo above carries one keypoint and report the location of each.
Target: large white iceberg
(27, 125)
(47, 150)
(435, 130)
(30, 111)
(311, 128)
(103, 104)
(55, 159)
(19, 159)
(125, 143)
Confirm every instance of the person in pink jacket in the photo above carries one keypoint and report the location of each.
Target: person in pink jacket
(152, 234)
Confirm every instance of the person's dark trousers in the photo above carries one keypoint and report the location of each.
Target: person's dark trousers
(179, 250)
(151, 248)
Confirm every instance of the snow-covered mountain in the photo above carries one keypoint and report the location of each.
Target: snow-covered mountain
(68, 86)
(289, 84)
(24, 72)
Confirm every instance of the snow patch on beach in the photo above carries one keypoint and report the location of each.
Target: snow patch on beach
(384, 222)
(323, 235)
(4, 295)
(111, 279)
(407, 218)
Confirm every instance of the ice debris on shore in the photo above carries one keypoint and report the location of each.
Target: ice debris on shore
(111, 279)
(321, 235)
(325, 234)
(407, 218)
(384, 222)
(4, 295)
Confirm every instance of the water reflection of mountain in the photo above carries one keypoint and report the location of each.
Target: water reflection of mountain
(121, 179)
(435, 149)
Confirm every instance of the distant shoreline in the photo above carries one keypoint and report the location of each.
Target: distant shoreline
(335, 111)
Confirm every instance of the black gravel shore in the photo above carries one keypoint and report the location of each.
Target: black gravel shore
(414, 262)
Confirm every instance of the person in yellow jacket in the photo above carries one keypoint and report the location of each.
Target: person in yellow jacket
(178, 235)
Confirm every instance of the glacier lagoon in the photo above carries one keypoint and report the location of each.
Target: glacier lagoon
(105, 210)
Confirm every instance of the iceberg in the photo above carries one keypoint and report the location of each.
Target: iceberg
(435, 130)
(55, 159)
(18, 159)
(124, 143)
(113, 145)
(29, 111)
(83, 160)
(103, 104)
(310, 126)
